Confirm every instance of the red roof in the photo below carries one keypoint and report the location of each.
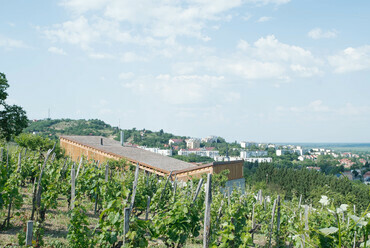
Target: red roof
(367, 174)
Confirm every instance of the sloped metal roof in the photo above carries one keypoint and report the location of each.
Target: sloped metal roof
(142, 156)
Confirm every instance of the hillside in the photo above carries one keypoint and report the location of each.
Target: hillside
(57, 127)
(54, 128)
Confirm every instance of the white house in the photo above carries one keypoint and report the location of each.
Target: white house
(245, 144)
(192, 143)
(164, 152)
(249, 154)
(210, 139)
(259, 160)
(204, 152)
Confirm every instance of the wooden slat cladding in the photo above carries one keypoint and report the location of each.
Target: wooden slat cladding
(235, 168)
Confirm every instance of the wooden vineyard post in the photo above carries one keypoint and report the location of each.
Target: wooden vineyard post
(278, 220)
(7, 157)
(19, 162)
(165, 185)
(73, 187)
(147, 208)
(96, 201)
(39, 188)
(96, 194)
(79, 166)
(219, 213)
(147, 178)
(259, 198)
(134, 187)
(1, 154)
(305, 224)
(197, 191)
(126, 223)
(207, 214)
(53, 157)
(106, 172)
(29, 232)
(306, 217)
(65, 163)
(354, 240)
(174, 189)
(253, 223)
(33, 198)
(272, 221)
(300, 202)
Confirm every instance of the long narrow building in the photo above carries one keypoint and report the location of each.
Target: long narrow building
(102, 149)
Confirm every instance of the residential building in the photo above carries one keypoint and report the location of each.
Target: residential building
(204, 152)
(366, 177)
(164, 152)
(347, 163)
(250, 154)
(259, 160)
(280, 152)
(245, 144)
(210, 139)
(192, 143)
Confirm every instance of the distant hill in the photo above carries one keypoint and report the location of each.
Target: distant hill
(54, 128)
(57, 127)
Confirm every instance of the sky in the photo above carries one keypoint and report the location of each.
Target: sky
(254, 70)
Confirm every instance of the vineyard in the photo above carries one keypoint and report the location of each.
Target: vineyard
(114, 204)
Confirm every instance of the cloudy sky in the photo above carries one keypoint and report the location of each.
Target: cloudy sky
(258, 70)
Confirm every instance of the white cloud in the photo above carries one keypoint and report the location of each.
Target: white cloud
(265, 2)
(246, 17)
(8, 43)
(305, 71)
(126, 75)
(132, 57)
(81, 6)
(77, 32)
(95, 55)
(318, 107)
(350, 110)
(351, 60)
(177, 89)
(317, 33)
(56, 50)
(159, 18)
(264, 19)
(267, 58)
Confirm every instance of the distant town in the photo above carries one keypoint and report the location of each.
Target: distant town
(355, 165)
(352, 164)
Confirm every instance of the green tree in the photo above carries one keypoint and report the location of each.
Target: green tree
(13, 118)
(34, 142)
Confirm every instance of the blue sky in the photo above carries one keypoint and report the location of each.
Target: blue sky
(258, 70)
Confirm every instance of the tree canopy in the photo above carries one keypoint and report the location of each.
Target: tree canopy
(12, 117)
